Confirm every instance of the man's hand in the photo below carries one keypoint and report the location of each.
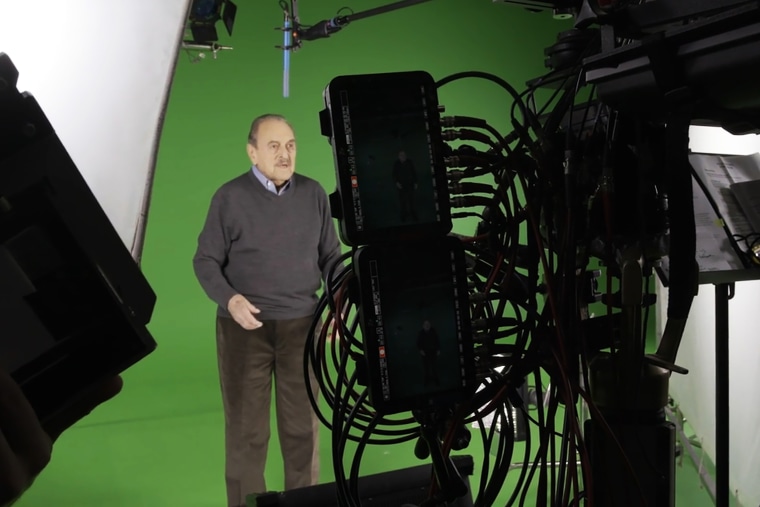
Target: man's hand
(25, 445)
(243, 312)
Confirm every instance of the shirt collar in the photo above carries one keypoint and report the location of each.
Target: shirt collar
(268, 183)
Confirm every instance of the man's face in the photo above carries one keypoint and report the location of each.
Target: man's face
(402, 156)
(275, 151)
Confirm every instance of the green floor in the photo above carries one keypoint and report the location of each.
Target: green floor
(160, 444)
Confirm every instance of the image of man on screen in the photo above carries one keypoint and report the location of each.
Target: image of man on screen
(405, 178)
(429, 348)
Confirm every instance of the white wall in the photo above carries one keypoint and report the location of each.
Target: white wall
(695, 392)
(100, 70)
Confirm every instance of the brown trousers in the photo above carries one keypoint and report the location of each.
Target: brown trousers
(248, 361)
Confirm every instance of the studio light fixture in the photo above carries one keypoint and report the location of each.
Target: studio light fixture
(204, 15)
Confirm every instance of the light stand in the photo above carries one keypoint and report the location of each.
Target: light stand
(694, 68)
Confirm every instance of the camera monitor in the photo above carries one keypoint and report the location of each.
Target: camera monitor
(73, 302)
(415, 323)
(386, 137)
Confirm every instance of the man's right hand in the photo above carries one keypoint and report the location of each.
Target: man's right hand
(243, 312)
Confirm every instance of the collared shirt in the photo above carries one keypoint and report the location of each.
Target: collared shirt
(267, 183)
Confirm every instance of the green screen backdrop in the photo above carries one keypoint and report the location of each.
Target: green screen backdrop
(160, 442)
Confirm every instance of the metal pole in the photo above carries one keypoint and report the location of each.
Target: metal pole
(723, 292)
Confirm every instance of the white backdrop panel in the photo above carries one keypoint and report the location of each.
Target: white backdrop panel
(695, 392)
(101, 71)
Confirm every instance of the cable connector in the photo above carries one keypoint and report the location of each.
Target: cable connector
(479, 324)
(455, 175)
(448, 121)
(452, 161)
(756, 254)
(470, 188)
(469, 201)
(451, 135)
(459, 202)
(462, 121)
(481, 338)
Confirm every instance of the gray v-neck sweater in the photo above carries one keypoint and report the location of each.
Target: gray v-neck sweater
(273, 249)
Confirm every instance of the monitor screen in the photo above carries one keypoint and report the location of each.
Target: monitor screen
(386, 139)
(415, 323)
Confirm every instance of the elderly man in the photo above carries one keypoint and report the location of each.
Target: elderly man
(268, 242)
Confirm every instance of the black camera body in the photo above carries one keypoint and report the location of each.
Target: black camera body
(74, 304)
